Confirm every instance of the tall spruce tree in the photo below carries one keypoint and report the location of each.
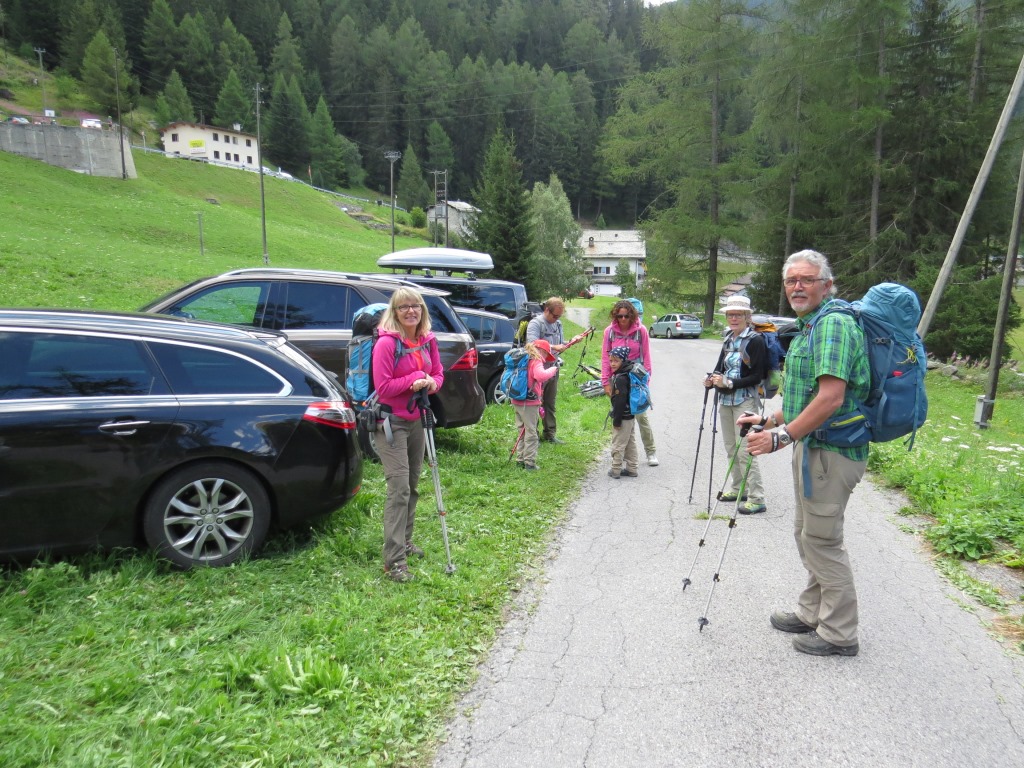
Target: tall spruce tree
(234, 105)
(160, 45)
(412, 189)
(236, 52)
(557, 265)
(286, 60)
(198, 65)
(440, 153)
(327, 159)
(107, 89)
(287, 127)
(503, 227)
(681, 126)
(179, 103)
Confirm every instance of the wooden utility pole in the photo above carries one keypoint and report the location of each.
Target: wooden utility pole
(972, 202)
(1005, 297)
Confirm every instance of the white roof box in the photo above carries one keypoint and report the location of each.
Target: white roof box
(442, 259)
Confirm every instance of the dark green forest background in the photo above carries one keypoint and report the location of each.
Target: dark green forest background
(722, 128)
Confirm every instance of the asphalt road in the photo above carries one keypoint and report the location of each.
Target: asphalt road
(602, 663)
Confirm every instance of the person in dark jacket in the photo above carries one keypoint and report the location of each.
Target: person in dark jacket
(623, 434)
(737, 374)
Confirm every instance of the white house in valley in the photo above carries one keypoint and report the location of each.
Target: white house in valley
(459, 216)
(604, 248)
(227, 146)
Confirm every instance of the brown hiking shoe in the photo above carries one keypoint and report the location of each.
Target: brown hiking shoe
(399, 572)
(816, 646)
(787, 621)
(412, 549)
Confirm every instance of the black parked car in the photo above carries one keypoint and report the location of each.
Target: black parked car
(494, 335)
(194, 437)
(314, 309)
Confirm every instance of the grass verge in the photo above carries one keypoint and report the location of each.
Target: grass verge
(304, 656)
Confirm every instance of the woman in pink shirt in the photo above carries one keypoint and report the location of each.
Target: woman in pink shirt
(405, 360)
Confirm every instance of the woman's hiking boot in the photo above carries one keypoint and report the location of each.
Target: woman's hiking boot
(399, 572)
(412, 549)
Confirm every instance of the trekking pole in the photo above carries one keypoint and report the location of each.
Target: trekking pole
(703, 620)
(427, 418)
(711, 516)
(714, 431)
(522, 431)
(700, 433)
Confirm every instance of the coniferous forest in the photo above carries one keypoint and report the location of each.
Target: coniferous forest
(720, 127)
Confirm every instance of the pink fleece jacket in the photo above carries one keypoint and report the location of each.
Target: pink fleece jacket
(638, 349)
(536, 375)
(394, 382)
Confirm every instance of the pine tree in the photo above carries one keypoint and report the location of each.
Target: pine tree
(327, 161)
(287, 127)
(503, 228)
(179, 104)
(236, 52)
(198, 66)
(107, 89)
(286, 60)
(160, 45)
(79, 28)
(557, 267)
(234, 105)
(412, 191)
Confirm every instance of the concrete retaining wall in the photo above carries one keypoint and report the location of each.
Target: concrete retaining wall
(85, 150)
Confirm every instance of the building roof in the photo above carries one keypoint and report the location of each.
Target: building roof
(202, 127)
(613, 244)
(459, 205)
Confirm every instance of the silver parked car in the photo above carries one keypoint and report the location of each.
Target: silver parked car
(677, 326)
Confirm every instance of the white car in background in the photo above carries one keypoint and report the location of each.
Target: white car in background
(677, 325)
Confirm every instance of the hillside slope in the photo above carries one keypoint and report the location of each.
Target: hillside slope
(70, 240)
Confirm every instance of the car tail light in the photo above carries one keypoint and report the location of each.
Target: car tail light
(467, 362)
(678, 324)
(333, 413)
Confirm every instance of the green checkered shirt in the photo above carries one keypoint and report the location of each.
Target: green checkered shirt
(838, 351)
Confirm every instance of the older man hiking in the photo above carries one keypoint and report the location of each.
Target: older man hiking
(819, 381)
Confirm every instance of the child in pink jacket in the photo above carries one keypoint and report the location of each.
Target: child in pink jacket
(528, 411)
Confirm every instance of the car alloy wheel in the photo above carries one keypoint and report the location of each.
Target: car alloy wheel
(210, 514)
(494, 393)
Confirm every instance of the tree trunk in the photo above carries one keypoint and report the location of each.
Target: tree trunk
(709, 307)
(791, 212)
(979, 22)
(876, 180)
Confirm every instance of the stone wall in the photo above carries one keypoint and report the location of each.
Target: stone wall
(84, 150)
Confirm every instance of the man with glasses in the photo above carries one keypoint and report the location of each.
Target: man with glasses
(548, 326)
(819, 382)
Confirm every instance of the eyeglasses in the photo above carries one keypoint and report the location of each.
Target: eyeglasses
(408, 308)
(790, 282)
(621, 316)
(735, 315)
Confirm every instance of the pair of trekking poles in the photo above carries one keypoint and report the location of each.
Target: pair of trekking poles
(703, 621)
(422, 400)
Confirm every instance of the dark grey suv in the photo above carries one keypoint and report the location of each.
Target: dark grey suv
(314, 309)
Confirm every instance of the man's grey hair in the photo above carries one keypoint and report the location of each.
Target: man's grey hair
(815, 259)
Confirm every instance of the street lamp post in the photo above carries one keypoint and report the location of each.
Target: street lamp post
(391, 156)
(42, 78)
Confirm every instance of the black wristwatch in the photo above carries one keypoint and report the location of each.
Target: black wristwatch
(784, 437)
